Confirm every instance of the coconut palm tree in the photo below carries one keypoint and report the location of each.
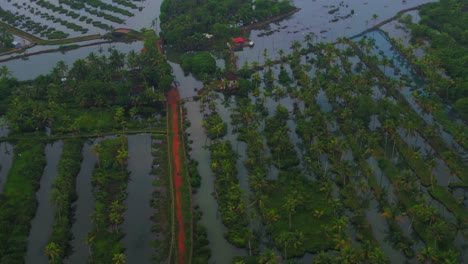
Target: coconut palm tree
(5, 72)
(119, 258)
(428, 255)
(291, 204)
(53, 251)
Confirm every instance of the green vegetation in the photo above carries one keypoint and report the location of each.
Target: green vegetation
(62, 197)
(443, 26)
(231, 203)
(160, 199)
(109, 182)
(335, 172)
(115, 94)
(201, 64)
(18, 201)
(86, 96)
(201, 249)
(214, 126)
(324, 129)
(6, 38)
(184, 23)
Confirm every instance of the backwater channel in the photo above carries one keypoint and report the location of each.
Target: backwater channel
(313, 18)
(43, 221)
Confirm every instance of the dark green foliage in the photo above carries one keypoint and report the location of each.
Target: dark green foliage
(282, 150)
(201, 249)
(82, 97)
(462, 107)
(109, 181)
(231, 203)
(195, 177)
(214, 125)
(6, 38)
(203, 62)
(183, 23)
(283, 77)
(200, 64)
(444, 24)
(64, 194)
(18, 202)
(6, 87)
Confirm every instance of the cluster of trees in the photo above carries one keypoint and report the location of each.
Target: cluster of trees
(184, 23)
(109, 181)
(233, 207)
(362, 118)
(201, 64)
(94, 84)
(6, 38)
(230, 197)
(62, 197)
(201, 249)
(421, 163)
(18, 201)
(214, 126)
(443, 24)
(282, 150)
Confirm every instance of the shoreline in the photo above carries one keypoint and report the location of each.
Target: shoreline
(244, 29)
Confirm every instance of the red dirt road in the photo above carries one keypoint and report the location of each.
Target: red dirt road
(173, 98)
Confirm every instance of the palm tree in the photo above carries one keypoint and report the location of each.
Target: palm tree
(284, 239)
(59, 199)
(431, 164)
(116, 60)
(268, 257)
(427, 255)
(122, 156)
(60, 68)
(5, 72)
(293, 200)
(89, 240)
(52, 250)
(119, 258)
(115, 215)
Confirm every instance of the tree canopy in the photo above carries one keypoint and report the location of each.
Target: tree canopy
(184, 23)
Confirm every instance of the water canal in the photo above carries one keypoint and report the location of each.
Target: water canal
(41, 225)
(137, 222)
(84, 205)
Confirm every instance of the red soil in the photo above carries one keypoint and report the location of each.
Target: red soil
(173, 98)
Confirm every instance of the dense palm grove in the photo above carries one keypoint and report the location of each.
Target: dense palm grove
(97, 83)
(350, 122)
(327, 149)
(96, 95)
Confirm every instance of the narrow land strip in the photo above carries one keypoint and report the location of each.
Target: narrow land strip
(173, 98)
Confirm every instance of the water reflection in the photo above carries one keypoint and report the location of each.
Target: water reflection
(137, 223)
(84, 205)
(41, 225)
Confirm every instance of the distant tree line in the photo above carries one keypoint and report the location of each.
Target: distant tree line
(184, 23)
(132, 80)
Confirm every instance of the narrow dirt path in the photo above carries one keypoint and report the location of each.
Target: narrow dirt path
(173, 98)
